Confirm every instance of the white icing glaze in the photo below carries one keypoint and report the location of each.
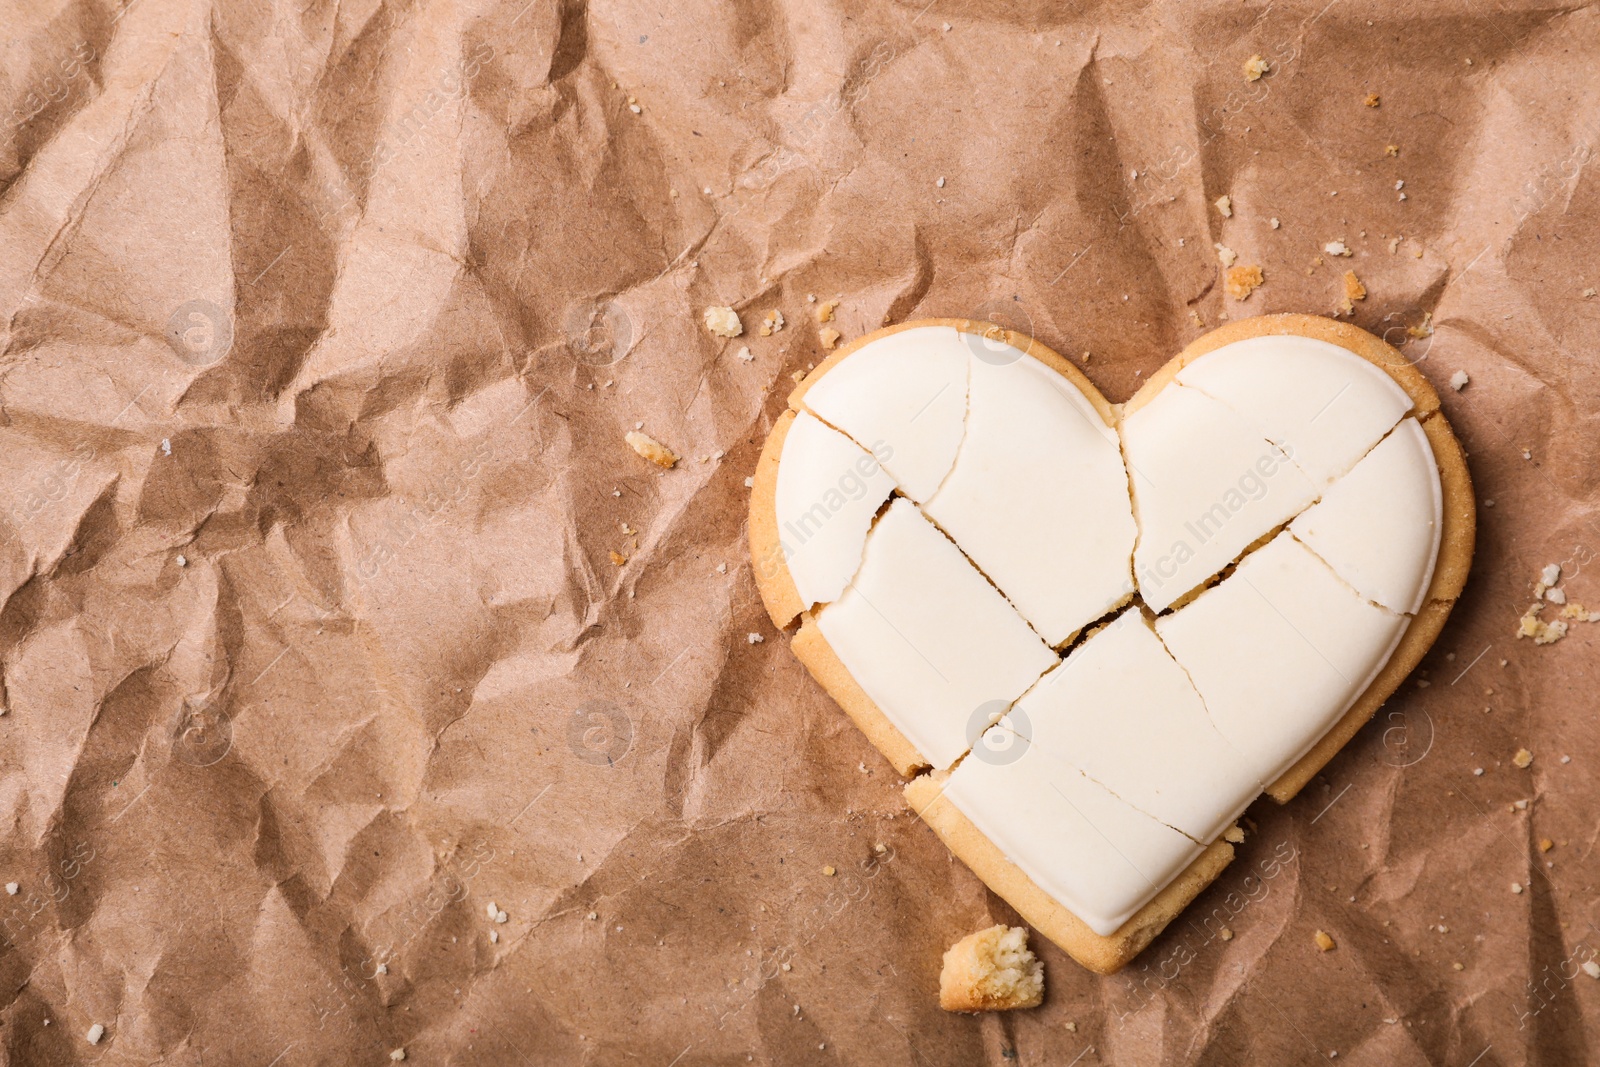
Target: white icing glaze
(1279, 650)
(1378, 527)
(1123, 712)
(1137, 746)
(928, 638)
(1205, 485)
(1094, 853)
(1325, 405)
(829, 488)
(1039, 497)
(907, 390)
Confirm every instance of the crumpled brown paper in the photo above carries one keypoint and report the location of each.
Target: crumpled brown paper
(322, 327)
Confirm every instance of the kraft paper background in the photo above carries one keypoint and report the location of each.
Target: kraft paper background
(322, 324)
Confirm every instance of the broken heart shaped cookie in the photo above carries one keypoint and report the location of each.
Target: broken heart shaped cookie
(1093, 634)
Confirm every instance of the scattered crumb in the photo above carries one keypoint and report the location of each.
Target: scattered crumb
(1240, 282)
(1522, 759)
(940, 183)
(1459, 380)
(1545, 844)
(1225, 205)
(1458, 967)
(1425, 327)
(1555, 596)
(182, 560)
(1516, 887)
(651, 449)
(825, 310)
(1478, 771)
(1226, 255)
(1254, 67)
(398, 1054)
(636, 109)
(723, 321)
(494, 937)
(1323, 941)
(829, 337)
(1225, 933)
(772, 323)
(501, 917)
(991, 970)
(754, 639)
(745, 354)
(1353, 291)
(1233, 835)
(1591, 968)
(12, 888)
(617, 558)
(1577, 611)
(829, 871)
(96, 1032)
(1336, 248)
(1392, 150)
(1373, 100)
(1275, 222)
(750, 483)
(1587, 293)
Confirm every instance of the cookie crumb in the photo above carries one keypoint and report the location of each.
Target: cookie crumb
(651, 449)
(1392, 150)
(1225, 255)
(12, 888)
(991, 970)
(1336, 248)
(754, 639)
(745, 354)
(829, 871)
(1458, 967)
(1587, 293)
(1545, 844)
(397, 1055)
(1591, 968)
(1516, 887)
(617, 558)
(825, 310)
(772, 323)
(1240, 282)
(96, 1032)
(1425, 327)
(1373, 100)
(1353, 291)
(1225, 206)
(1275, 223)
(1225, 934)
(1254, 67)
(723, 321)
(829, 337)
(1459, 380)
(1323, 941)
(1233, 835)
(1523, 759)
(940, 183)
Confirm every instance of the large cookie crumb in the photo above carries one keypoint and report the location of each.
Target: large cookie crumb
(1240, 282)
(651, 449)
(991, 970)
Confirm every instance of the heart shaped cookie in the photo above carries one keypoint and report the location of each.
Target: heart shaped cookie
(1093, 634)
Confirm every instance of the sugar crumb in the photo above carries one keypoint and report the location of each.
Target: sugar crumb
(723, 321)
